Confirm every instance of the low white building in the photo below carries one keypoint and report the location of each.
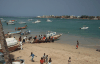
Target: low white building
(71, 16)
(95, 18)
(38, 16)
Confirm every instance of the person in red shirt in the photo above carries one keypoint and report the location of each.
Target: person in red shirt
(76, 46)
(41, 61)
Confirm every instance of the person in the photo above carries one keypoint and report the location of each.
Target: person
(52, 39)
(32, 56)
(41, 61)
(44, 56)
(77, 43)
(39, 37)
(46, 59)
(24, 39)
(21, 45)
(49, 39)
(49, 61)
(69, 61)
(22, 62)
(20, 38)
(35, 38)
(76, 46)
(44, 38)
(15, 28)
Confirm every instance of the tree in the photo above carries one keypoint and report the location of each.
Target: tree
(4, 45)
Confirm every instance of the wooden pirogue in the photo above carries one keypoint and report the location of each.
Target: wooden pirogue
(19, 28)
(48, 40)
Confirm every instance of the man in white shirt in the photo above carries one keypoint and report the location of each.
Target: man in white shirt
(21, 45)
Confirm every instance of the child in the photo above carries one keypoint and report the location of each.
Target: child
(41, 61)
(46, 59)
(50, 61)
(69, 61)
(44, 56)
(76, 46)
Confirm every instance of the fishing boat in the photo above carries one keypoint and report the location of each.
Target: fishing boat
(26, 32)
(84, 28)
(38, 21)
(10, 23)
(19, 28)
(17, 32)
(22, 22)
(55, 37)
(30, 19)
(11, 43)
(49, 20)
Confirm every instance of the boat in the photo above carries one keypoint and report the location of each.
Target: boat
(17, 32)
(49, 20)
(11, 43)
(10, 23)
(19, 28)
(40, 41)
(99, 27)
(26, 32)
(30, 19)
(38, 21)
(84, 28)
(3, 20)
(22, 22)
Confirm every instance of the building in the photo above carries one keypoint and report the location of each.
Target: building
(71, 16)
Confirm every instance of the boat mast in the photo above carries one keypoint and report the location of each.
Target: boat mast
(4, 45)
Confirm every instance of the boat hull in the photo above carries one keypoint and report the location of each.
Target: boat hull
(13, 48)
(41, 41)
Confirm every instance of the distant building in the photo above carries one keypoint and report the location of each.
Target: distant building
(71, 16)
(78, 16)
(95, 18)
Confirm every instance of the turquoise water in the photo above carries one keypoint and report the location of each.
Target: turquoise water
(69, 28)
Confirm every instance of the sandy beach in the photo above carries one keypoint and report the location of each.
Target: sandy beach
(59, 53)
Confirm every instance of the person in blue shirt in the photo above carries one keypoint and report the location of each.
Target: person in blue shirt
(32, 56)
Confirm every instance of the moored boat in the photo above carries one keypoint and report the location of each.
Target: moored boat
(84, 28)
(22, 22)
(38, 21)
(17, 32)
(49, 20)
(11, 43)
(19, 28)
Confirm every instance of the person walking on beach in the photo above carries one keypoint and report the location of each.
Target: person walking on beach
(32, 56)
(21, 45)
(49, 61)
(46, 59)
(69, 61)
(76, 46)
(77, 43)
(44, 56)
(41, 61)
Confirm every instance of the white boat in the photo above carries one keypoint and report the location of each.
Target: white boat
(30, 19)
(10, 23)
(22, 22)
(50, 33)
(49, 20)
(38, 21)
(3, 20)
(84, 28)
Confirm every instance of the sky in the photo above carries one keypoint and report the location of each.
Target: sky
(49, 7)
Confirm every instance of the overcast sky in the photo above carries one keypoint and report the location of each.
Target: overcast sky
(49, 7)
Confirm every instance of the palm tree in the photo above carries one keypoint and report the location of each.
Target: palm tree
(4, 45)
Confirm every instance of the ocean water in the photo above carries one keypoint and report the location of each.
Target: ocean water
(69, 28)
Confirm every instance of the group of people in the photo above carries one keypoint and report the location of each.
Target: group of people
(44, 59)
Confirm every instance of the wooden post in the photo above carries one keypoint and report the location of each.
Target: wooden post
(4, 45)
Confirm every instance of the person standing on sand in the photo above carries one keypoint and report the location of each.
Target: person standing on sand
(44, 56)
(20, 38)
(21, 45)
(69, 61)
(76, 46)
(77, 43)
(50, 61)
(41, 61)
(46, 59)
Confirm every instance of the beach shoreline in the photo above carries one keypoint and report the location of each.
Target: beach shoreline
(59, 53)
